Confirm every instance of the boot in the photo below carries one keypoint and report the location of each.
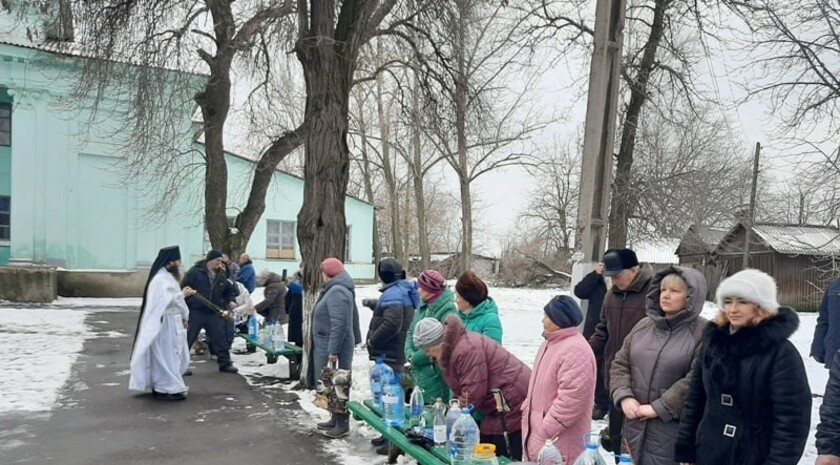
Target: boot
(342, 426)
(327, 425)
(378, 441)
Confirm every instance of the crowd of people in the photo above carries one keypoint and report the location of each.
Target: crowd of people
(675, 387)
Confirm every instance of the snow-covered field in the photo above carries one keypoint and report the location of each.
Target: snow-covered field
(39, 347)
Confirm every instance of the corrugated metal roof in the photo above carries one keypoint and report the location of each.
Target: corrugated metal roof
(711, 236)
(800, 239)
(658, 251)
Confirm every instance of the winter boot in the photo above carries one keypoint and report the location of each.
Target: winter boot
(342, 426)
(378, 441)
(327, 425)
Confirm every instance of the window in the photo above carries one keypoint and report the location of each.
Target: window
(5, 124)
(347, 258)
(280, 239)
(5, 218)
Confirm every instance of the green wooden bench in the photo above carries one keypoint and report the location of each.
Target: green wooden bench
(434, 455)
(289, 350)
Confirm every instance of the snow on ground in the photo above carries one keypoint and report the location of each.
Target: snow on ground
(39, 346)
(37, 351)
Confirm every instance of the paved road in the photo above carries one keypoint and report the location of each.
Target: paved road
(100, 422)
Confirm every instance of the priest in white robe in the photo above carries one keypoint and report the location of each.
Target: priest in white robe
(160, 355)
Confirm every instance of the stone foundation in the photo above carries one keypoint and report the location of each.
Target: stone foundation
(28, 284)
(101, 283)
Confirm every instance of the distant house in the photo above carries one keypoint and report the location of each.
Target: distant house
(697, 249)
(448, 263)
(801, 258)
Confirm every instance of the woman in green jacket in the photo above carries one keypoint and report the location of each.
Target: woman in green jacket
(437, 302)
(478, 312)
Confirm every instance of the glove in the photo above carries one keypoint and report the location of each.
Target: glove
(370, 303)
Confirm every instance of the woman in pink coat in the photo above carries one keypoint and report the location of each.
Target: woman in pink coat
(562, 388)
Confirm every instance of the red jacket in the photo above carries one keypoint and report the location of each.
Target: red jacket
(473, 365)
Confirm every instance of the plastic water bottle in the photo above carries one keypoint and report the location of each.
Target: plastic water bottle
(452, 415)
(253, 327)
(549, 455)
(416, 404)
(590, 455)
(485, 454)
(380, 375)
(464, 438)
(439, 428)
(624, 458)
(393, 409)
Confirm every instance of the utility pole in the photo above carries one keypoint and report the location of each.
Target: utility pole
(745, 259)
(599, 136)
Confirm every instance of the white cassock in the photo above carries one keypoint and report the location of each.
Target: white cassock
(161, 355)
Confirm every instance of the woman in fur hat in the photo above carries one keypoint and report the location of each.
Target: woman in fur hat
(749, 402)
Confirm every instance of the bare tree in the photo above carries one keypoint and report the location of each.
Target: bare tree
(470, 127)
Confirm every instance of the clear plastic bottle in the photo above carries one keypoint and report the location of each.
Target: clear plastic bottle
(485, 454)
(253, 327)
(416, 404)
(393, 408)
(464, 438)
(380, 375)
(549, 455)
(590, 455)
(439, 427)
(452, 415)
(625, 459)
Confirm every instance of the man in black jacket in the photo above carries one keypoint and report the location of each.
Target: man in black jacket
(828, 431)
(593, 287)
(209, 278)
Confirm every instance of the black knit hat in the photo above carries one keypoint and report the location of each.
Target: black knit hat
(564, 311)
(213, 254)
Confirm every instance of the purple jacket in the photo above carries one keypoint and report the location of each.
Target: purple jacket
(473, 365)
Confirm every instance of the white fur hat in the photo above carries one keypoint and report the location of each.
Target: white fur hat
(751, 285)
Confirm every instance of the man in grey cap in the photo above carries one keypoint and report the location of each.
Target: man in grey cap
(624, 306)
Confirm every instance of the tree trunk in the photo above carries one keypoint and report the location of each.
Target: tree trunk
(417, 171)
(622, 200)
(461, 129)
(388, 168)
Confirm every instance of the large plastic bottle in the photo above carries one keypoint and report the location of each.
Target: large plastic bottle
(253, 327)
(393, 408)
(439, 426)
(549, 455)
(416, 404)
(464, 438)
(380, 375)
(625, 459)
(452, 415)
(590, 455)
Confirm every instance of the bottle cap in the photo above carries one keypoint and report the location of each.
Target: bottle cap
(485, 448)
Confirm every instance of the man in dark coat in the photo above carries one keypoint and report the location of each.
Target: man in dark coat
(593, 287)
(393, 313)
(273, 305)
(247, 273)
(209, 278)
(827, 333)
(624, 306)
(828, 431)
(294, 308)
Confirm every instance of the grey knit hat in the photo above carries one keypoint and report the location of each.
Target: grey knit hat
(428, 333)
(751, 285)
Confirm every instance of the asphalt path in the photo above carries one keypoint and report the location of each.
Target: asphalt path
(224, 420)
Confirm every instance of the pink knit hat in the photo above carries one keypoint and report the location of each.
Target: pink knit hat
(332, 267)
(431, 281)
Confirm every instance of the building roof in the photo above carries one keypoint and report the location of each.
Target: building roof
(701, 239)
(799, 239)
(656, 251)
(77, 50)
